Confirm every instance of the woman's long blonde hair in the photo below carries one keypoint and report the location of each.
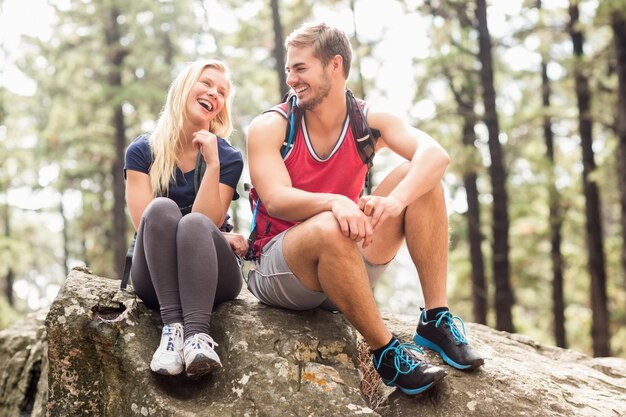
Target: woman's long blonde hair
(165, 140)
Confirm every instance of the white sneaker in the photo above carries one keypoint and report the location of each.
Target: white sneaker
(200, 356)
(168, 358)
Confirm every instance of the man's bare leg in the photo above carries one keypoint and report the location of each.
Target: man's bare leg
(326, 260)
(426, 231)
(424, 224)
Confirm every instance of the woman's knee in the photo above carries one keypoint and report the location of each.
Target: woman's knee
(161, 217)
(162, 208)
(194, 223)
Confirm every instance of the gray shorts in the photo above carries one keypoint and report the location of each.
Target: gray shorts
(274, 284)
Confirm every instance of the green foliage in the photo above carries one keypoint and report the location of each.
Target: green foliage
(61, 141)
(77, 101)
(8, 315)
(530, 174)
(607, 7)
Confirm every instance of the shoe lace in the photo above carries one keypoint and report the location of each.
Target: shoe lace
(202, 341)
(174, 334)
(447, 319)
(403, 359)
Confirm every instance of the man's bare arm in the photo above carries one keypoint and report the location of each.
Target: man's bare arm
(271, 180)
(428, 162)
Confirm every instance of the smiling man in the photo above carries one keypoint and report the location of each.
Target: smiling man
(318, 242)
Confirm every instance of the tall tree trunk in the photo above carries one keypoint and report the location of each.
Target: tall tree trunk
(168, 48)
(360, 92)
(479, 283)
(10, 276)
(208, 28)
(66, 250)
(556, 217)
(9, 288)
(279, 54)
(4, 186)
(83, 252)
(503, 292)
(465, 99)
(618, 24)
(116, 55)
(600, 319)
(556, 220)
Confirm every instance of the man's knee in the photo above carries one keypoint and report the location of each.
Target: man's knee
(433, 202)
(326, 233)
(435, 194)
(324, 225)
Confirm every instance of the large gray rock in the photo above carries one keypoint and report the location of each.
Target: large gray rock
(24, 368)
(282, 363)
(520, 378)
(276, 363)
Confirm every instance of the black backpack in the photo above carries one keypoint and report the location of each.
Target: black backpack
(364, 136)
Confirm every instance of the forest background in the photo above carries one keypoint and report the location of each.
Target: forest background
(528, 97)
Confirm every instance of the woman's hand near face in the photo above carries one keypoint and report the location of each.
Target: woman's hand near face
(207, 143)
(237, 243)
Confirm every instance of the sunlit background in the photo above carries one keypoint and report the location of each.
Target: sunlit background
(399, 43)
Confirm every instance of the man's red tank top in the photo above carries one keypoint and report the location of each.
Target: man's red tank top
(342, 172)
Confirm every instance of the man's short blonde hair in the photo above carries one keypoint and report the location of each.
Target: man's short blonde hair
(326, 42)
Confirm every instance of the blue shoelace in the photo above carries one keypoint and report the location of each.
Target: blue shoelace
(448, 320)
(169, 332)
(402, 357)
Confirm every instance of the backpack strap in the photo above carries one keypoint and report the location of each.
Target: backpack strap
(253, 229)
(128, 262)
(294, 118)
(364, 136)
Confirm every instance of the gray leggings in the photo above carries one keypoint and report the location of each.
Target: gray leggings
(183, 266)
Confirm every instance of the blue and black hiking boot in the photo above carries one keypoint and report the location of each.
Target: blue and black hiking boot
(442, 336)
(398, 367)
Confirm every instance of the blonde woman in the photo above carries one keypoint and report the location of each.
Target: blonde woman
(184, 263)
